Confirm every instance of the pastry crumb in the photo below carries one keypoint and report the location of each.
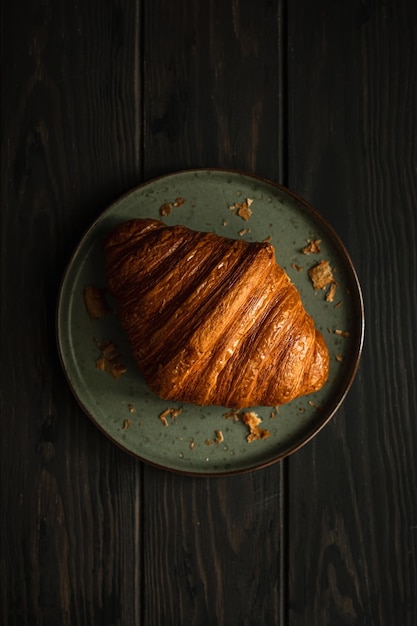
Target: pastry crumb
(163, 417)
(312, 247)
(242, 209)
(95, 302)
(110, 359)
(219, 437)
(342, 333)
(321, 275)
(331, 293)
(165, 209)
(233, 414)
(172, 413)
(131, 408)
(251, 419)
(297, 267)
(126, 424)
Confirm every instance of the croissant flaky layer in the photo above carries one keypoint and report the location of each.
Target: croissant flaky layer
(211, 320)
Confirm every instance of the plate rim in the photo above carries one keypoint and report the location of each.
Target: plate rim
(358, 307)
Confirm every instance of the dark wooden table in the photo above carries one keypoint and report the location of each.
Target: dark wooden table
(98, 97)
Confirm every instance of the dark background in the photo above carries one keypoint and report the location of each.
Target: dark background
(96, 98)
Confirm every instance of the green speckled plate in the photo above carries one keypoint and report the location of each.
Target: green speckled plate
(125, 410)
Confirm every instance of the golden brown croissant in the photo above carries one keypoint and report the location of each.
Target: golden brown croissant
(212, 320)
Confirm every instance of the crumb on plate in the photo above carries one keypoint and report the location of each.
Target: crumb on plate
(312, 247)
(233, 414)
(163, 417)
(219, 437)
(331, 293)
(95, 302)
(166, 208)
(321, 275)
(342, 333)
(251, 419)
(242, 209)
(110, 359)
(172, 413)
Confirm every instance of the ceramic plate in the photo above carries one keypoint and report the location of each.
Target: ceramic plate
(125, 410)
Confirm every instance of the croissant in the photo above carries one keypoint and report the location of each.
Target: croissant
(212, 320)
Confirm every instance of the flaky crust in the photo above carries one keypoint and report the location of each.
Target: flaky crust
(212, 320)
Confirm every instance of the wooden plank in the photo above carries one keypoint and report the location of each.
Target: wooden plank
(70, 538)
(352, 104)
(210, 99)
(212, 548)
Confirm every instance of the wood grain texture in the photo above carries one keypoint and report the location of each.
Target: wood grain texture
(213, 549)
(210, 99)
(70, 500)
(353, 557)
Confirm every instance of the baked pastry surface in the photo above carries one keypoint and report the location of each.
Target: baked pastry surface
(212, 320)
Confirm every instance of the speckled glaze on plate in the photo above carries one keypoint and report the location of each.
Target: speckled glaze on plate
(125, 410)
